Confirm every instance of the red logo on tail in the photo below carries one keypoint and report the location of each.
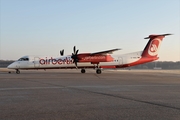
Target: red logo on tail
(153, 47)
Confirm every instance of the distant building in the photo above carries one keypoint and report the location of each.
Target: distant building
(157, 68)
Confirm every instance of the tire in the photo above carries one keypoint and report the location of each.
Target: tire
(98, 71)
(83, 70)
(17, 72)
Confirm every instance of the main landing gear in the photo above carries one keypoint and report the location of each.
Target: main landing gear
(98, 71)
(17, 71)
(83, 70)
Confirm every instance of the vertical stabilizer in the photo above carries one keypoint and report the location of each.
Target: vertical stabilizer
(153, 45)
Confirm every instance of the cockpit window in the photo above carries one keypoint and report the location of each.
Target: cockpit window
(23, 59)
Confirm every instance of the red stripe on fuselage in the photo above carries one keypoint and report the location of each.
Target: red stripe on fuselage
(140, 61)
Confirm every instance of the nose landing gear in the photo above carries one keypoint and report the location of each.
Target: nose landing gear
(17, 71)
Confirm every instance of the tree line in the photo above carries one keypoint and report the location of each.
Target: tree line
(158, 65)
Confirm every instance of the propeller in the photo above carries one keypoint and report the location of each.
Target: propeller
(75, 56)
(62, 52)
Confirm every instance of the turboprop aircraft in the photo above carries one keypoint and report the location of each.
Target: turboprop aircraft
(96, 60)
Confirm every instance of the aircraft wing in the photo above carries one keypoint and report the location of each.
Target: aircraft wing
(106, 52)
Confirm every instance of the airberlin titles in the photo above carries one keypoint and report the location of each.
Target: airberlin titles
(69, 60)
(54, 61)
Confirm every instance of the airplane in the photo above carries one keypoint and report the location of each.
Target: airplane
(96, 60)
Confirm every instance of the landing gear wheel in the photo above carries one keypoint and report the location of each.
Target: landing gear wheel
(98, 71)
(83, 70)
(17, 71)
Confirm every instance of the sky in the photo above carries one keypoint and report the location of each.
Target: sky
(44, 27)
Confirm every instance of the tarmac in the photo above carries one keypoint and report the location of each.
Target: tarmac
(71, 95)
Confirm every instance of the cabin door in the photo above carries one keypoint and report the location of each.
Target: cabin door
(36, 62)
(120, 60)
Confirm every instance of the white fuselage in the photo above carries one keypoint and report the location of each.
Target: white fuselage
(40, 62)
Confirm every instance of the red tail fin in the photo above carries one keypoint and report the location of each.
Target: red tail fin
(152, 47)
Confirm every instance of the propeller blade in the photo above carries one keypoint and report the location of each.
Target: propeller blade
(76, 65)
(74, 49)
(62, 52)
(77, 52)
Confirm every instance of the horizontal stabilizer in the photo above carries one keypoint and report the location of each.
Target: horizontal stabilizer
(152, 36)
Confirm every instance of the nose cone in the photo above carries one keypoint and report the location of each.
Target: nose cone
(11, 66)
